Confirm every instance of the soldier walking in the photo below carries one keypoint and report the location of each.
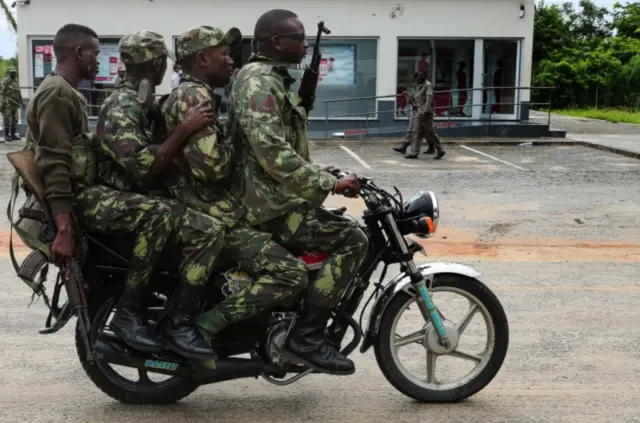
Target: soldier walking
(423, 124)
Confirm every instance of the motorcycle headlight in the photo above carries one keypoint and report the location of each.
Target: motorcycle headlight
(420, 215)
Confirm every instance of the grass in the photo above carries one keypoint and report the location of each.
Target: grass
(610, 115)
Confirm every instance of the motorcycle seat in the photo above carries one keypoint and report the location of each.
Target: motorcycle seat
(117, 250)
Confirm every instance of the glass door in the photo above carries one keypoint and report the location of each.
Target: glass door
(501, 76)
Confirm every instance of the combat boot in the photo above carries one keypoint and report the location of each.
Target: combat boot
(308, 344)
(7, 137)
(440, 155)
(402, 149)
(180, 332)
(128, 325)
(14, 134)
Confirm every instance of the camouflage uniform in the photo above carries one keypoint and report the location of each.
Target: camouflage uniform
(127, 144)
(11, 101)
(422, 121)
(202, 182)
(284, 191)
(66, 157)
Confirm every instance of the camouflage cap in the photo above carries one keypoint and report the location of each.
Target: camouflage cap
(142, 46)
(11, 70)
(202, 37)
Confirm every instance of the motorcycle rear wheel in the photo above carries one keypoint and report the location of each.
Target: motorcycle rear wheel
(395, 373)
(141, 392)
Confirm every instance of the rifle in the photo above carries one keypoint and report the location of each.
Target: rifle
(77, 297)
(309, 83)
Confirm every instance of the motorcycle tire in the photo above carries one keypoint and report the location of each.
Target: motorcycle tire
(168, 392)
(390, 369)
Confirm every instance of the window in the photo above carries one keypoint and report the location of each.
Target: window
(348, 70)
(500, 70)
(449, 67)
(44, 62)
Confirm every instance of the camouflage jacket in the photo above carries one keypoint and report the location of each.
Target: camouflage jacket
(127, 145)
(275, 174)
(205, 161)
(10, 95)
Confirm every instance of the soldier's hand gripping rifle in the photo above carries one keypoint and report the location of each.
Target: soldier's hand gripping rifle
(309, 83)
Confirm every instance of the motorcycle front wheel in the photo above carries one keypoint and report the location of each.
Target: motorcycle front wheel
(487, 362)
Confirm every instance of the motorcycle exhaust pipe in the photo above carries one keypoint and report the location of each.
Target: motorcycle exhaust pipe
(235, 368)
(116, 352)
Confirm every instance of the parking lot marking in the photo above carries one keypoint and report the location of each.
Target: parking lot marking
(356, 157)
(492, 157)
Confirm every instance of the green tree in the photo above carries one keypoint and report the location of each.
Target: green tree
(626, 19)
(590, 56)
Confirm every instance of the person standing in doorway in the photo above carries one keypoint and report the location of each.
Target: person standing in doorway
(497, 87)
(423, 64)
(461, 78)
(175, 77)
(423, 124)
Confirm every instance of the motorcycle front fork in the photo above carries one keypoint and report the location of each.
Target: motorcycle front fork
(425, 304)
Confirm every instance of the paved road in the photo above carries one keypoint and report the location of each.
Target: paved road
(579, 125)
(555, 232)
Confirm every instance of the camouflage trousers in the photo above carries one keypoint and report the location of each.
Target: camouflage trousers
(154, 222)
(10, 117)
(319, 230)
(424, 128)
(278, 278)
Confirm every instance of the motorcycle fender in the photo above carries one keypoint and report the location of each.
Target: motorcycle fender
(402, 283)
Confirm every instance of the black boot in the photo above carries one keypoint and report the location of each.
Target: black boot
(14, 133)
(179, 331)
(7, 137)
(128, 325)
(308, 344)
(403, 148)
(440, 155)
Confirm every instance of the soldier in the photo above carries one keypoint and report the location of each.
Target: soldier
(284, 191)
(127, 126)
(11, 101)
(423, 125)
(406, 141)
(203, 183)
(121, 74)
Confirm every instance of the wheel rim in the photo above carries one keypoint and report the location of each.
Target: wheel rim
(144, 381)
(427, 333)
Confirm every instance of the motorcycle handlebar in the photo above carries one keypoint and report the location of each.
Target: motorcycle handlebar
(348, 192)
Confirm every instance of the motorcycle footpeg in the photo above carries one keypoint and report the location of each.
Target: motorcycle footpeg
(66, 312)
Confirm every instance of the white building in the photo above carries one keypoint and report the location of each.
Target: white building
(376, 46)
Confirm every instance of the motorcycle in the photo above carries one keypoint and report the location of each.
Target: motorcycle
(387, 221)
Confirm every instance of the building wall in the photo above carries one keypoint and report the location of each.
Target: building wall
(363, 18)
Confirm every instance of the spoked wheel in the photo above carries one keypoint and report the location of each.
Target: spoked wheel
(478, 303)
(126, 384)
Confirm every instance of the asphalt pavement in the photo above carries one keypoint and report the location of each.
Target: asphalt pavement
(553, 229)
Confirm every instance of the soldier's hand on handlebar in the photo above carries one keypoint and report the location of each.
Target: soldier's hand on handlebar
(349, 186)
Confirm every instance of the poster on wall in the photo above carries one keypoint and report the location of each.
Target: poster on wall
(337, 66)
(109, 59)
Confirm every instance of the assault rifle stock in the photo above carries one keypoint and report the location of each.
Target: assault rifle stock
(309, 83)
